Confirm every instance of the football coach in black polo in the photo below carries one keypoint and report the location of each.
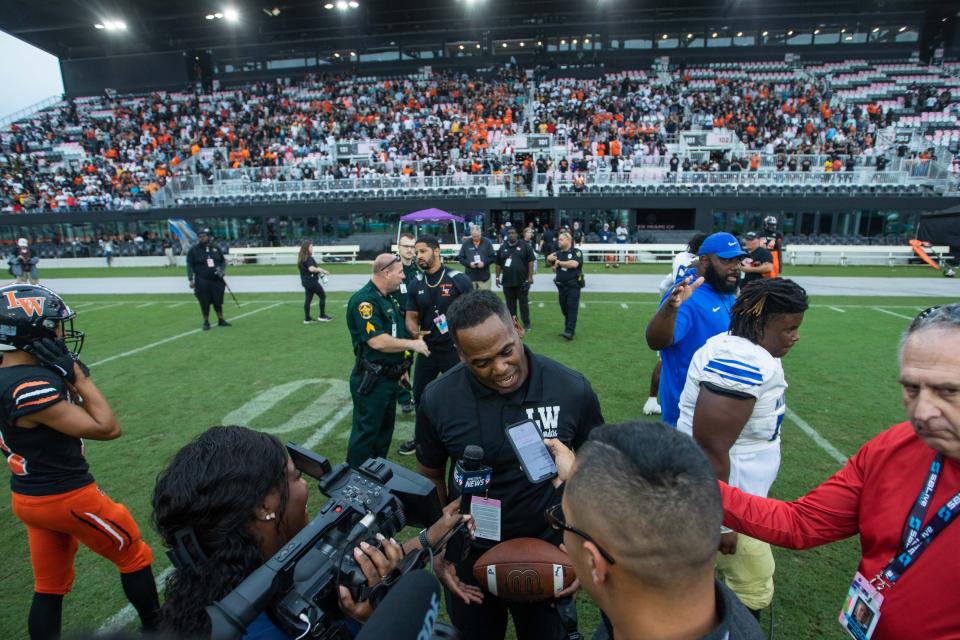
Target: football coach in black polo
(498, 383)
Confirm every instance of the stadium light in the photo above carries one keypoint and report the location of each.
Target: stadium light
(713, 35)
(353, 54)
(816, 32)
(563, 42)
(665, 36)
(586, 41)
(875, 30)
(739, 34)
(844, 30)
(111, 25)
(503, 44)
(764, 34)
(539, 43)
(478, 45)
(902, 29)
(353, 5)
(336, 55)
(231, 15)
(689, 36)
(342, 5)
(522, 44)
(218, 15)
(328, 6)
(461, 47)
(790, 33)
(574, 41)
(209, 16)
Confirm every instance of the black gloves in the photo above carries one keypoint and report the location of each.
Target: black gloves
(54, 355)
(218, 272)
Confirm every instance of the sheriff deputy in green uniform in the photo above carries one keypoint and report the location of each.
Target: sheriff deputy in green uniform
(406, 249)
(379, 340)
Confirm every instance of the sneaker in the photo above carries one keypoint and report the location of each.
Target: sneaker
(223, 323)
(651, 407)
(527, 327)
(408, 407)
(206, 326)
(566, 335)
(324, 318)
(408, 448)
(310, 321)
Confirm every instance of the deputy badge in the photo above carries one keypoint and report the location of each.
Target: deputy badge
(366, 310)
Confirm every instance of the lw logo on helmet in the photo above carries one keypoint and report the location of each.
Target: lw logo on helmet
(32, 306)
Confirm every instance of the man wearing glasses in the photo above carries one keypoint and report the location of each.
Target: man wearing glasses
(641, 517)
(379, 341)
(406, 250)
(500, 383)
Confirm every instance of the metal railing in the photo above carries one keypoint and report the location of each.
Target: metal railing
(29, 111)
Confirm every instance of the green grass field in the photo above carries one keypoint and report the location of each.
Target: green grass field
(167, 382)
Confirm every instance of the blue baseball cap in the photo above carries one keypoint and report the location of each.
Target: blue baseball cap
(723, 245)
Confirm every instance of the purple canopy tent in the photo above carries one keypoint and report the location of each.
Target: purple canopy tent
(428, 215)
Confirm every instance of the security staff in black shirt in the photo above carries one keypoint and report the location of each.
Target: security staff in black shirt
(760, 262)
(498, 384)
(428, 299)
(515, 259)
(567, 264)
(205, 268)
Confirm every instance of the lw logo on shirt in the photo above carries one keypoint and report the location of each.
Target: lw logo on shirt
(548, 419)
(31, 306)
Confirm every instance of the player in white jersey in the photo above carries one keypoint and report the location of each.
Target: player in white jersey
(681, 262)
(733, 405)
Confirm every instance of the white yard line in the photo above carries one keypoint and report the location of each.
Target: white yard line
(321, 433)
(623, 305)
(539, 305)
(891, 313)
(583, 305)
(837, 309)
(176, 304)
(145, 304)
(172, 338)
(822, 442)
(101, 307)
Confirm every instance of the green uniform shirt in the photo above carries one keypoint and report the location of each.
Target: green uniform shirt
(369, 314)
(410, 274)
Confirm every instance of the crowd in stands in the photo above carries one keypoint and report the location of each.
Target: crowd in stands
(117, 152)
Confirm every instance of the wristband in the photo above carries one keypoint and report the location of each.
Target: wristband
(724, 530)
(424, 542)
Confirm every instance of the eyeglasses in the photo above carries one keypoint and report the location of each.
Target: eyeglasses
(396, 258)
(554, 517)
(923, 315)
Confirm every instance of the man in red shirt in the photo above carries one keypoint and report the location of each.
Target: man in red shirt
(900, 493)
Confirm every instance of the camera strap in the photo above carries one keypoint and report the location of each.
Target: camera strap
(567, 610)
(186, 553)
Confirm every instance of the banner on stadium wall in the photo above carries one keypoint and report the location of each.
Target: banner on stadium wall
(183, 231)
(721, 138)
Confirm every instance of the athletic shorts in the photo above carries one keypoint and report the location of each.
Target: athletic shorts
(57, 523)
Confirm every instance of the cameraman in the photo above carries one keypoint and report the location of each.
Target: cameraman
(205, 268)
(238, 493)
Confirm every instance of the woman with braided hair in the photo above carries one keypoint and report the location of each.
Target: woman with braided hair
(733, 404)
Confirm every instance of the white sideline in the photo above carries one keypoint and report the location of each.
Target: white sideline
(816, 437)
(172, 338)
(123, 617)
(838, 309)
(891, 313)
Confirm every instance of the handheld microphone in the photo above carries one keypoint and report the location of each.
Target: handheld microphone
(408, 612)
(473, 478)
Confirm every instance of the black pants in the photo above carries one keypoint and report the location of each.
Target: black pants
(427, 369)
(518, 295)
(209, 291)
(488, 621)
(312, 288)
(569, 305)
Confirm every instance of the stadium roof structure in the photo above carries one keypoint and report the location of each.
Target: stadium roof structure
(66, 28)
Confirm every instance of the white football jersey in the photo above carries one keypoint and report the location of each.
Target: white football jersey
(738, 365)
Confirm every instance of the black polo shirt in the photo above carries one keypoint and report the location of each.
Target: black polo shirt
(520, 256)
(759, 256)
(431, 295)
(456, 410)
(565, 274)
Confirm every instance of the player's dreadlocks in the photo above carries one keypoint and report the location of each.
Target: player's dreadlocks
(760, 300)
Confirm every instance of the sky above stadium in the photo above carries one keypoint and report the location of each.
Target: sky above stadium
(27, 75)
